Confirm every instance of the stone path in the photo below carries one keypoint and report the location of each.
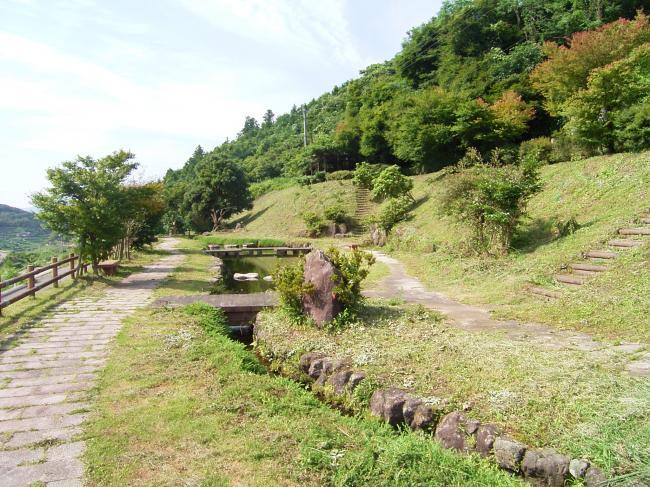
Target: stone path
(46, 377)
(475, 319)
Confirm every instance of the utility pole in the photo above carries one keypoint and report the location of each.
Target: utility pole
(304, 124)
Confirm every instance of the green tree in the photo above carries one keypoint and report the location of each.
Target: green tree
(391, 183)
(491, 200)
(219, 191)
(87, 201)
(268, 118)
(608, 113)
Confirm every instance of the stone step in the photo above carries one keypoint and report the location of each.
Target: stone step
(645, 220)
(600, 254)
(635, 231)
(546, 293)
(570, 279)
(624, 243)
(588, 267)
(580, 272)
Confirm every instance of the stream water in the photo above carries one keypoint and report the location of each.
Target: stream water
(263, 266)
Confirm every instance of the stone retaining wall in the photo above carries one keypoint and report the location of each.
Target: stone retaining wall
(454, 429)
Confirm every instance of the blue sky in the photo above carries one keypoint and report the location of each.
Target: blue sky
(159, 77)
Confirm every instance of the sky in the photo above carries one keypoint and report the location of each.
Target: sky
(159, 77)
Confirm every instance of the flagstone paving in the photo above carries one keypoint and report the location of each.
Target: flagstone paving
(46, 374)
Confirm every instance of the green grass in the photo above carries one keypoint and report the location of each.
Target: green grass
(176, 406)
(579, 403)
(194, 275)
(601, 193)
(278, 214)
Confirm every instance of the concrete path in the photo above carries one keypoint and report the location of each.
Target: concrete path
(46, 378)
(475, 319)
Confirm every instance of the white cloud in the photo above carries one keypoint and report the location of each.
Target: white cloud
(318, 30)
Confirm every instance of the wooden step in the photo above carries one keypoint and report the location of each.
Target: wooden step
(570, 279)
(625, 243)
(546, 293)
(635, 231)
(588, 267)
(600, 254)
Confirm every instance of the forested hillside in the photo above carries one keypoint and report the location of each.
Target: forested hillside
(19, 229)
(483, 74)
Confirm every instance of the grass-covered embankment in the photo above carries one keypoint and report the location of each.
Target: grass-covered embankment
(580, 403)
(603, 194)
(179, 403)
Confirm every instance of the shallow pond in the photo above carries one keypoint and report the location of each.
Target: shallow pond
(263, 266)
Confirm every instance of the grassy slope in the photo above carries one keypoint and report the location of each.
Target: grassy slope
(602, 193)
(579, 403)
(278, 213)
(175, 406)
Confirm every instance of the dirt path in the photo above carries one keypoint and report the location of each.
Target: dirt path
(475, 319)
(45, 379)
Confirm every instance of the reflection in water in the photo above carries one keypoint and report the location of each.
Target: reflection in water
(263, 266)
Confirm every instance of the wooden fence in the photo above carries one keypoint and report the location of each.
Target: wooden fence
(36, 283)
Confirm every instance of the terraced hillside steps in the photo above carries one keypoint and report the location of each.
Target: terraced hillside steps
(362, 208)
(635, 231)
(570, 279)
(47, 373)
(581, 271)
(625, 243)
(600, 254)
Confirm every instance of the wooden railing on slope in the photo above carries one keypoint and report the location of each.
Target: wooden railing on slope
(34, 284)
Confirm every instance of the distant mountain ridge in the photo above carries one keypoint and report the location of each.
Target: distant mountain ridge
(20, 229)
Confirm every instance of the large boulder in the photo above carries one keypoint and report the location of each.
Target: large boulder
(378, 235)
(485, 437)
(321, 303)
(307, 359)
(509, 453)
(388, 404)
(339, 380)
(546, 465)
(456, 431)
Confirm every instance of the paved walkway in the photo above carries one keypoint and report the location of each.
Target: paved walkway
(45, 379)
(476, 319)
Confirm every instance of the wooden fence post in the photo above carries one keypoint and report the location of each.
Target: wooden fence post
(71, 257)
(31, 281)
(55, 271)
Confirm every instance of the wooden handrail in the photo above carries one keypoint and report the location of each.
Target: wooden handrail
(36, 271)
(33, 285)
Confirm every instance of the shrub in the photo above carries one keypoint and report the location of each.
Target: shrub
(317, 177)
(537, 150)
(291, 286)
(364, 175)
(354, 267)
(339, 175)
(391, 183)
(314, 223)
(492, 200)
(394, 211)
(335, 213)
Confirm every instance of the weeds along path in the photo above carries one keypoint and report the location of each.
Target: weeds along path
(48, 372)
(474, 319)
